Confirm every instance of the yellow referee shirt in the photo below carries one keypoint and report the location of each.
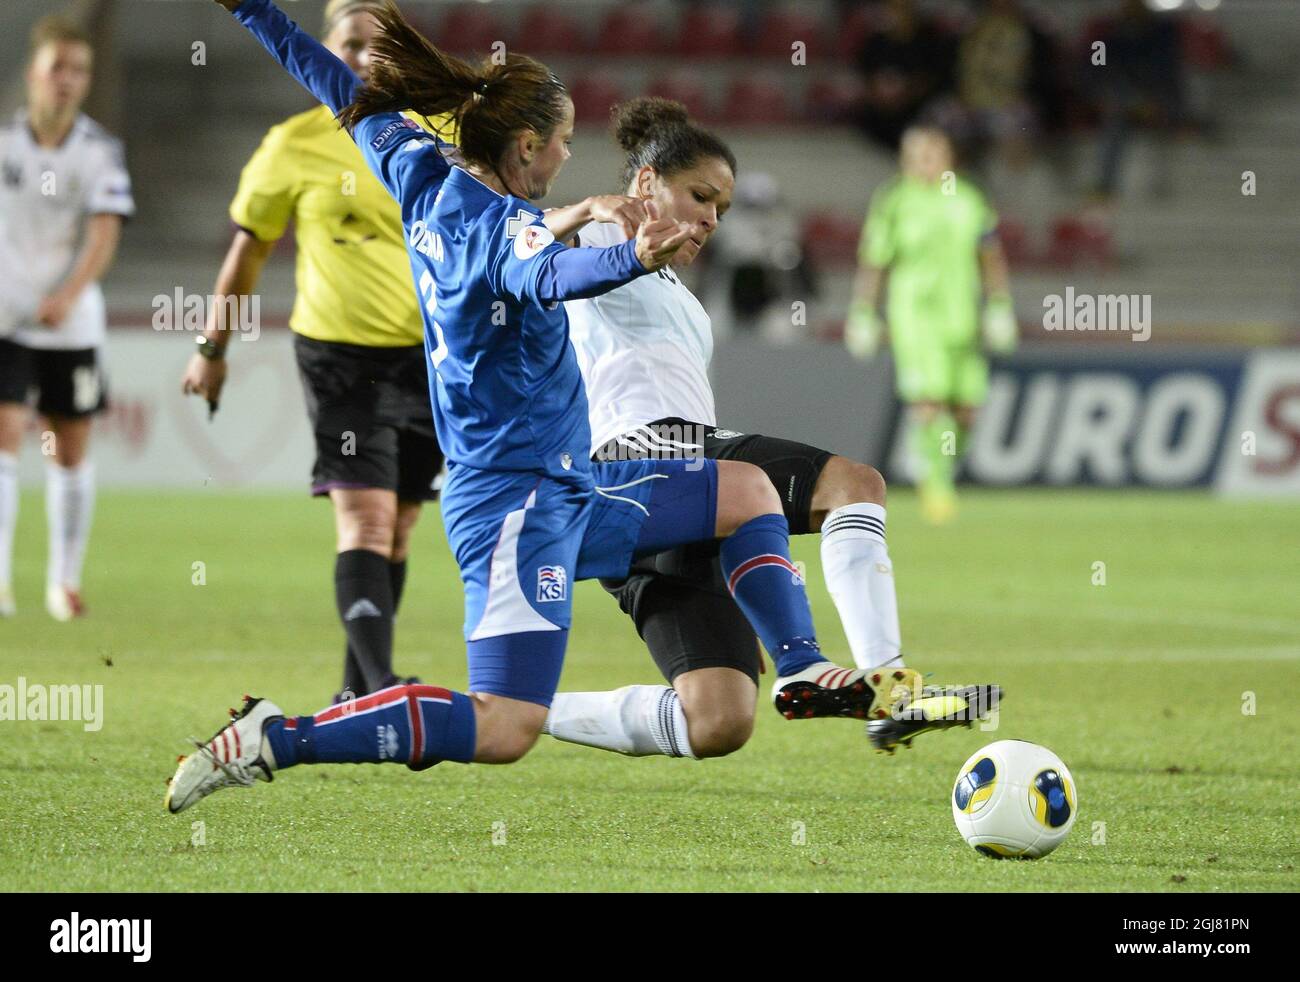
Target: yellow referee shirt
(353, 274)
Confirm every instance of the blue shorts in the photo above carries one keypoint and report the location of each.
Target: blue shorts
(522, 540)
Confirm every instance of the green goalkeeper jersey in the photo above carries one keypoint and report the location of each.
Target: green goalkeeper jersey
(930, 243)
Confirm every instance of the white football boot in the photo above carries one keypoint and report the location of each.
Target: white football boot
(826, 689)
(63, 603)
(235, 757)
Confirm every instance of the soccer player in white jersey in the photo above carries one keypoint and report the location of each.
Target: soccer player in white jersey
(644, 350)
(64, 194)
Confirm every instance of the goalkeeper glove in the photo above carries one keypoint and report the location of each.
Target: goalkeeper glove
(862, 330)
(1001, 332)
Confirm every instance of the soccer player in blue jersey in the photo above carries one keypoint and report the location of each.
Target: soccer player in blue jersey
(526, 511)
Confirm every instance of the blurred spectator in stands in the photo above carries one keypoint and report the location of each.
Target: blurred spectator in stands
(905, 63)
(756, 267)
(1141, 83)
(1006, 90)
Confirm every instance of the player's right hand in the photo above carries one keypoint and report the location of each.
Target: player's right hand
(618, 209)
(862, 330)
(658, 239)
(204, 377)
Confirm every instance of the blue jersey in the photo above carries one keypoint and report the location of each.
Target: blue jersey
(506, 389)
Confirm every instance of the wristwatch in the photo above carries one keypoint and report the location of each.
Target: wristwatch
(208, 349)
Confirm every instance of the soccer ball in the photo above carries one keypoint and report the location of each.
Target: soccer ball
(1014, 799)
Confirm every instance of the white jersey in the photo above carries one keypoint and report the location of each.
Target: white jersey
(643, 348)
(46, 195)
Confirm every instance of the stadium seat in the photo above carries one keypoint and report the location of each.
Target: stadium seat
(631, 30)
(782, 27)
(852, 31)
(593, 95)
(1015, 241)
(470, 29)
(830, 239)
(544, 30)
(1076, 242)
(709, 32)
(1205, 45)
(755, 101)
(686, 87)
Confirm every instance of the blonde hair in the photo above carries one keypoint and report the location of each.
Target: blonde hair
(57, 29)
(336, 11)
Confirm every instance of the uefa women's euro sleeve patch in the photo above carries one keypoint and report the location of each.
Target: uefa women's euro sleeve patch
(521, 239)
(532, 240)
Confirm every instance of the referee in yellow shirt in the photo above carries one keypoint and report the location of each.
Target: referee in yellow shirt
(358, 343)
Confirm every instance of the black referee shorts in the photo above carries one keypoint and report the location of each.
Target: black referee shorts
(68, 383)
(369, 410)
(679, 599)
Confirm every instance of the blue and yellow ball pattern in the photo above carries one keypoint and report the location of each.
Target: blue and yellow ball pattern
(975, 786)
(1051, 798)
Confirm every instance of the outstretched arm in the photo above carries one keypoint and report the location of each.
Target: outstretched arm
(315, 67)
(380, 137)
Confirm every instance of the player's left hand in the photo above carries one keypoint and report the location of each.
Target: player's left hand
(54, 308)
(1001, 331)
(625, 212)
(862, 331)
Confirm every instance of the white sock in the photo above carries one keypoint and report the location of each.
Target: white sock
(860, 577)
(637, 720)
(69, 505)
(8, 514)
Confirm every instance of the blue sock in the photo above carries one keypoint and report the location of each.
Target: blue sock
(416, 725)
(770, 591)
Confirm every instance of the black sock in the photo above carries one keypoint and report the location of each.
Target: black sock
(364, 596)
(397, 580)
(354, 683)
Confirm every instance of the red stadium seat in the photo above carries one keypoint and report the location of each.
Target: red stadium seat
(852, 31)
(470, 29)
(709, 32)
(547, 31)
(1205, 45)
(781, 28)
(593, 95)
(1015, 241)
(831, 239)
(631, 30)
(1075, 242)
(686, 87)
(755, 101)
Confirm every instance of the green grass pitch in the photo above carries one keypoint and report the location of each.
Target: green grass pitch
(1169, 691)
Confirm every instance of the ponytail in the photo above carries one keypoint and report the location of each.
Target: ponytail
(488, 104)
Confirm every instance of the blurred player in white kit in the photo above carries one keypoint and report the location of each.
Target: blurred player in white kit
(64, 196)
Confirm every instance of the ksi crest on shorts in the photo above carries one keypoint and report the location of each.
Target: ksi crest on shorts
(552, 584)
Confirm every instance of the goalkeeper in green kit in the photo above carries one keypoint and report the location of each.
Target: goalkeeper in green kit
(948, 303)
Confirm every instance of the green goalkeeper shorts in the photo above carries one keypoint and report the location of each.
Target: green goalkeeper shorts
(935, 373)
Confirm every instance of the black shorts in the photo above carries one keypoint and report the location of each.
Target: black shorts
(69, 382)
(679, 599)
(370, 413)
